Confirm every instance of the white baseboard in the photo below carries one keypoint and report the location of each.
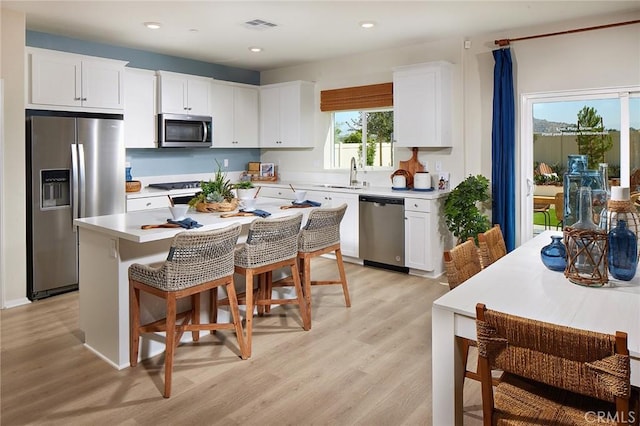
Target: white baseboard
(15, 302)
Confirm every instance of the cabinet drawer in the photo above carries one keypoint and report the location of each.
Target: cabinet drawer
(271, 192)
(147, 203)
(417, 205)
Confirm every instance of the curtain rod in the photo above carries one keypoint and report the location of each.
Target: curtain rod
(506, 41)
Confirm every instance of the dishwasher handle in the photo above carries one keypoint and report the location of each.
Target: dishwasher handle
(381, 201)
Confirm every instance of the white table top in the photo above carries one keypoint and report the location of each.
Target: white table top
(128, 225)
(519, 284)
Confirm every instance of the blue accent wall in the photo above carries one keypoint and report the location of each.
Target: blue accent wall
(163, 161)
(175, 161)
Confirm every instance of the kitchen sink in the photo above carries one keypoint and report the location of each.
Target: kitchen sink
(329, 185)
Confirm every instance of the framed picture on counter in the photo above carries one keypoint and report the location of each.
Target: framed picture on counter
(267, 169)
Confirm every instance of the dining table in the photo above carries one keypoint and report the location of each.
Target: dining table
(520, 284)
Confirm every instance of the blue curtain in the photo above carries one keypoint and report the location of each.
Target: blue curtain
(503, 147)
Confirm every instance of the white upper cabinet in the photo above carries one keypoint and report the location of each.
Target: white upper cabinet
(286, 115)
(61, 80)
(422, 105)
(140, 109)
(234, 108)
(183, 93)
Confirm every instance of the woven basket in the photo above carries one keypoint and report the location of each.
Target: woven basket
(133, 186)
(225, 206)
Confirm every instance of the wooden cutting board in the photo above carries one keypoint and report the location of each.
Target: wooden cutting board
(162, 225)
(412, 165)
(236, 214)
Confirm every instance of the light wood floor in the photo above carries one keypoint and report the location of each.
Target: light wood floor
(365, 365)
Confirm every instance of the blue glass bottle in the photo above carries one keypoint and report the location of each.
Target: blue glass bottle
(554, 255)
(623, 251)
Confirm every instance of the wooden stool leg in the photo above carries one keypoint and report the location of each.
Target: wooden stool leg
(268, 292)
(343, 278)
(170, 343)
(134, 324)
(262, 290)
(302, 303)
(213, 307)
(235, 316)
(195, 315)
(306, 275)
(249, 313)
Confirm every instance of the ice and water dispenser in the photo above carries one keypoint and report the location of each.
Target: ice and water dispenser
(55, 188)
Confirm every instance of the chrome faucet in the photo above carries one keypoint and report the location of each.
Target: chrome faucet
(353, 172)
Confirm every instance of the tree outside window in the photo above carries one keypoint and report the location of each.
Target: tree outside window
(350, 131)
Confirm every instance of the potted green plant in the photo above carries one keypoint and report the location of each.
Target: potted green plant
(216, 195)
(462, 215)
(245, 189)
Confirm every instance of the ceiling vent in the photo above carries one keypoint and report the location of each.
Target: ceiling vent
(259, 24)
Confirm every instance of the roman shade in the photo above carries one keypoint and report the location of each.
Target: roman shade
(359, 97)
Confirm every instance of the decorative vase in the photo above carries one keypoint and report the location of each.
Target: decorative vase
(623, 251)
(554, 255)
(586, 246)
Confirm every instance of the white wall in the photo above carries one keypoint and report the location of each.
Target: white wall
(13, 159)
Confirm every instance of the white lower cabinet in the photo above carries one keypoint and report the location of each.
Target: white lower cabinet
(349, 229)
(423, 245)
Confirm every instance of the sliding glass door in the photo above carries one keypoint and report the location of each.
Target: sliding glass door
(603, 124)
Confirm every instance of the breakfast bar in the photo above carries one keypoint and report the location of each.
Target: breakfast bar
(108, 245)
(519, 284)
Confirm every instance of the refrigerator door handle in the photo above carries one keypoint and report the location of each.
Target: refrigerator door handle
(75, 205)
(82, 186)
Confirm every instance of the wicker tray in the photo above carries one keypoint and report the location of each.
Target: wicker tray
(225, 206)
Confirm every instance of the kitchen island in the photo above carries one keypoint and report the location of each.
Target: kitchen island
(108, 245)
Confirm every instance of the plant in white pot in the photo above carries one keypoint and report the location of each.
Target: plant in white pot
(245, 189)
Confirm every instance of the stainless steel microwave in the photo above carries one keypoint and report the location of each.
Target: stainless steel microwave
(184, 131)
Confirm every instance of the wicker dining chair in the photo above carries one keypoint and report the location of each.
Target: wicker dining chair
(197, 262)
(492, 246)
(558, 205)
(320, 235)
(554, 375)
(271, 244)
(461, 263)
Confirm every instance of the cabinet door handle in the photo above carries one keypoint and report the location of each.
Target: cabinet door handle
(77, 99)
(148, 204)
(84, 99)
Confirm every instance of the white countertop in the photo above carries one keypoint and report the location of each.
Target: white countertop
(128, 225)
(369, 190)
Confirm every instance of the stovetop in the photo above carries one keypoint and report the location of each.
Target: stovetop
(176, 185)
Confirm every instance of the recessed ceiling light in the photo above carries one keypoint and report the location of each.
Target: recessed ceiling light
(152, 25)
(255, 49)
(367, 24)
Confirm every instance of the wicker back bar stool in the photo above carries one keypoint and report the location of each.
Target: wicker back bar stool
(554, 375)
(320, 235)
(271, 244)
(492, 246)
(197, 262)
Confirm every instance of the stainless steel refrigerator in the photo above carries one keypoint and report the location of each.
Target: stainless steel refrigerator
(75, 168)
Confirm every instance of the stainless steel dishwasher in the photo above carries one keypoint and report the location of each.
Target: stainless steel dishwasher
(382, 232)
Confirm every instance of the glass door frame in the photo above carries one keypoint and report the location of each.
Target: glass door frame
(527, 100)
